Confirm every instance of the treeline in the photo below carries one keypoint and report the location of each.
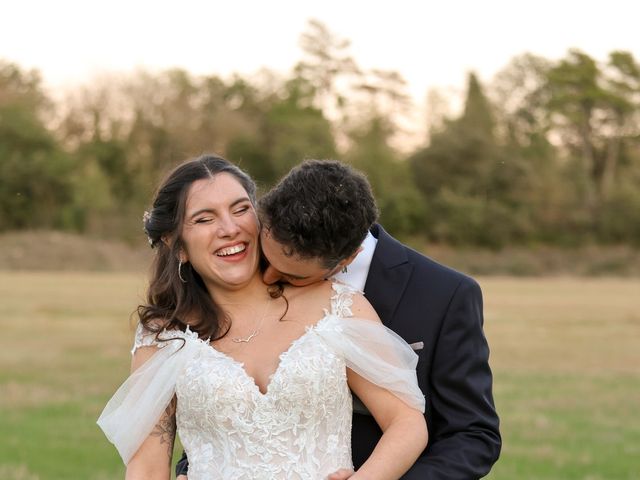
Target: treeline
(547, 152)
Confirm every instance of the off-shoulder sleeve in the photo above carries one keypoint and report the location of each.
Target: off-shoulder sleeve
(377, 354)
(146, 338)
(135, 408)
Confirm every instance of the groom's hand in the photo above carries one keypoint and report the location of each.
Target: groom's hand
(341, 474)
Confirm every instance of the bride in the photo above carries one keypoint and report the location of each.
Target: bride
(256, 379)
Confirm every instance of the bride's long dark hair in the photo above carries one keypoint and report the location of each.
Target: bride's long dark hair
(172, 303)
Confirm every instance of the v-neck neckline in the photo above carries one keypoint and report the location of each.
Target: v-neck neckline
(281, 358)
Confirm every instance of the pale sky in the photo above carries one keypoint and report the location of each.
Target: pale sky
(432, 44)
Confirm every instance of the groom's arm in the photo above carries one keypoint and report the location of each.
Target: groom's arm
(182, 466)
(465, 438)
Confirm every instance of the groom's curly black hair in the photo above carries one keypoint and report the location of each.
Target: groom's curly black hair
(321, 209)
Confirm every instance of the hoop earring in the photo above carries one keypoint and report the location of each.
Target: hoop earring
(180, 272)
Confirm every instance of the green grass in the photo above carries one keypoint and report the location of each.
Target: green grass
(565, 356)
(566, 362)
(63, 351)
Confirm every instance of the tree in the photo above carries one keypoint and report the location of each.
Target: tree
(461, 155)
(519, 96)
(325, 66)
(289, 129)
(401, 205)
(591, 112)
(34, 172)
(468, 181)
(623, 81)
(294, 130)
(533, 174)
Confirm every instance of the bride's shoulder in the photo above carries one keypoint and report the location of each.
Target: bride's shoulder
(332, 297)
(347, 301)
(154, 333)
(342, 300)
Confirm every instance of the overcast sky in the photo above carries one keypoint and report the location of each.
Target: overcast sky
(430, 43)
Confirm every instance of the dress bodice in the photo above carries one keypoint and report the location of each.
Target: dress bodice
(300, 428)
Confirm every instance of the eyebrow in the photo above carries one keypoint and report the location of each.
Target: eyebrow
(209, 210)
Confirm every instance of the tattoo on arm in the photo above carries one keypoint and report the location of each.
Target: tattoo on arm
(166, 427)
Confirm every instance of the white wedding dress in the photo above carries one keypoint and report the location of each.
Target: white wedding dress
(299, 429)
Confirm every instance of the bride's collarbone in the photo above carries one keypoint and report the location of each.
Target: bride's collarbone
(274, 334)
(266, 348)
(261, 358)
(259, 346)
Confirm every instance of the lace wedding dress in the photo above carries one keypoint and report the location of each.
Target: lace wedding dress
(299, 429)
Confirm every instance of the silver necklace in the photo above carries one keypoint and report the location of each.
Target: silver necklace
(256, 331)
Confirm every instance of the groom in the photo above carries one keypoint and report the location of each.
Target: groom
(318, 222)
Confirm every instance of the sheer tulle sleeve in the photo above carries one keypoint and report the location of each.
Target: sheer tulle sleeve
(377, 354)
(134, 410)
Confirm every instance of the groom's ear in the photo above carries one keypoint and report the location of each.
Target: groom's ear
(347, 261)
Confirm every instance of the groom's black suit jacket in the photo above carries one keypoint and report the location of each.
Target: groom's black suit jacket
(424, 301)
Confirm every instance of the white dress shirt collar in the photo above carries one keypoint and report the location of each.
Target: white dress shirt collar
(358, 270)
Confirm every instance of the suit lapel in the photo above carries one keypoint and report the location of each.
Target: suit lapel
(388, 275)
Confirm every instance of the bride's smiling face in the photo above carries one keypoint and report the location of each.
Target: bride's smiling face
(220, 232)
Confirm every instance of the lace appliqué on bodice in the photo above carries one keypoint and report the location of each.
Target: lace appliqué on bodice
(299, 429)
(341, 300)
(145, 338)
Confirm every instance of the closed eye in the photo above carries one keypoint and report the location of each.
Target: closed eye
(242, 210)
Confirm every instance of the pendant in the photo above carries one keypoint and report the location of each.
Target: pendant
(245, 339)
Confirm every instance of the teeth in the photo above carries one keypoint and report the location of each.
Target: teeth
(231, 250)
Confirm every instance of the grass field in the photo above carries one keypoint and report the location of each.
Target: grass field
(565, 355)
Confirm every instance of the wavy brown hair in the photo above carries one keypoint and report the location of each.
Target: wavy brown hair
(321, 209)
(172, 303)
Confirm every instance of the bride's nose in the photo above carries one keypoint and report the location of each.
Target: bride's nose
(227, 226)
